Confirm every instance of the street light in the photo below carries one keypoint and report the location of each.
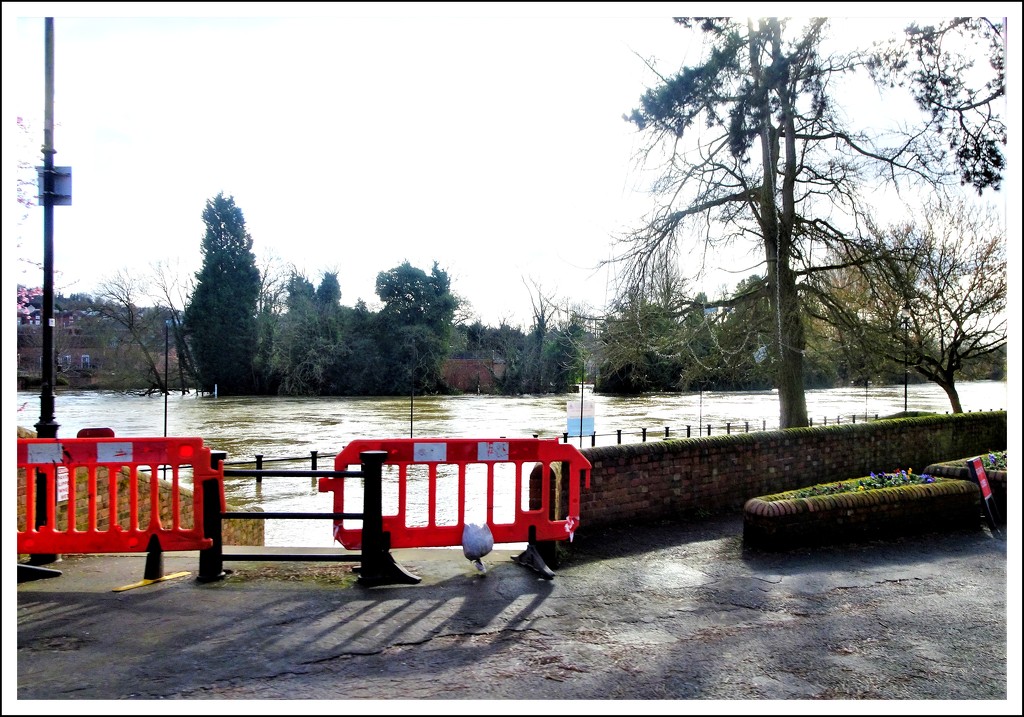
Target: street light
(905, 320)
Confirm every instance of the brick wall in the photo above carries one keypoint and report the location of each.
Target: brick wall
(681, 477)
(473, 375)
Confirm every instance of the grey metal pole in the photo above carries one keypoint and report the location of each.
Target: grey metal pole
(905, 373)
(47, 426)
(167, 389)
(412, 387)
(906, 338)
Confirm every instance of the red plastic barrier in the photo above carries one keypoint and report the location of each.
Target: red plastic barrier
(54, 517)
(429, 497)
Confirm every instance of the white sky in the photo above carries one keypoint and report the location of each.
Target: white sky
(352, 136)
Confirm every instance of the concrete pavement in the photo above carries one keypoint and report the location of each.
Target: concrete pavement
(656, 612)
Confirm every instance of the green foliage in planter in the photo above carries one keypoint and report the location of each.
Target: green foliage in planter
(994, 461)
(873, 482)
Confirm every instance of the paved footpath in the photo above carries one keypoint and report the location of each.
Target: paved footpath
(658, 612)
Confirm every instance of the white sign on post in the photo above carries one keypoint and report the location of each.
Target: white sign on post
(579, 420)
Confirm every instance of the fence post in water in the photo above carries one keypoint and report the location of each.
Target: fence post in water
(709, 429)
(593, 439)
(565, 437)
(618, 436)
(643, 433)
(312, 464)
(764, 424)
(747, 426)
(728, 428)
(687, 430)
(259, 467)
(666, 431)
(211, 560)
(854, 417)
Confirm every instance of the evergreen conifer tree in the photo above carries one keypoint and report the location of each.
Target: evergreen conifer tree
(220, 319)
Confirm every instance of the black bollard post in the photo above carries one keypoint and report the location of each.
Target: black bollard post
(211, 560)
(259, 467)
(643, 432)
(728, 428)
(618, 436)
(377, 566)
(687, 430)
(666, 431)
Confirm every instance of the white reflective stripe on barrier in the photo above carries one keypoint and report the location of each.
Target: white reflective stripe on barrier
(429, 452)
(492, 451)
(114, 452)
(45, 453)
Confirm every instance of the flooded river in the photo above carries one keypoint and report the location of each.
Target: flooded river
(291, 427)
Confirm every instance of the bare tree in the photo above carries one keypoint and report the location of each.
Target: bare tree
(933, 294)
(948, 270)
(140, 342)
(752, 144)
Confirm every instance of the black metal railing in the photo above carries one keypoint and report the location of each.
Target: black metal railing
(376, 564)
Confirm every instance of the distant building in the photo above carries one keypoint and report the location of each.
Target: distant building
(474, 372)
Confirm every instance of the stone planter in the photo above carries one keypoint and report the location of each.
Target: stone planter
(996, 480)
(784, 520)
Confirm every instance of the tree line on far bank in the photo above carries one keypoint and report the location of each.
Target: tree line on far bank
(243, 332)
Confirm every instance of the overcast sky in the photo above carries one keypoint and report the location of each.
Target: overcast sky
(487, 139)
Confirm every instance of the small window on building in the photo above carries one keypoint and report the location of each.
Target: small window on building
(85, 361)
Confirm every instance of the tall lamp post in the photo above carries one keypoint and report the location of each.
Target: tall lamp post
(905, 320)
(47, 426)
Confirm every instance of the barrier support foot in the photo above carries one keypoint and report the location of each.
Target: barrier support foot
(532, 559)
(383, 570)
(35, 572)
(154, 560)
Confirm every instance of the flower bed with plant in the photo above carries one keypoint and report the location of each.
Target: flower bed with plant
(880, 505)
(994, 463)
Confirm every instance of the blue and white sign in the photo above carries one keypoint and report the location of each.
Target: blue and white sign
(579, 420)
